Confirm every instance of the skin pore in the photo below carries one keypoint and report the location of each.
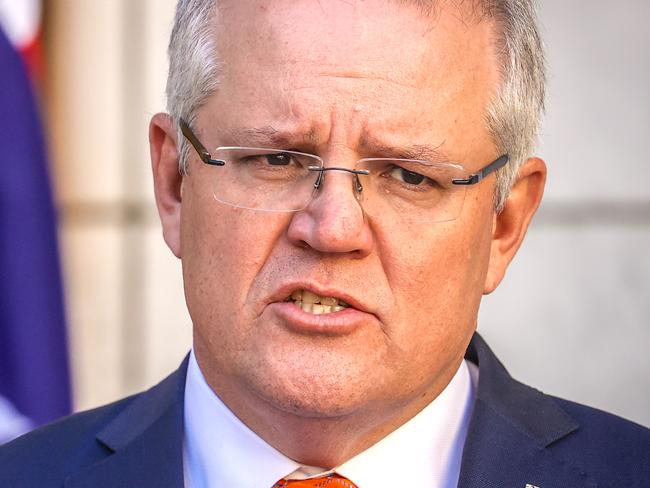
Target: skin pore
(337, 79)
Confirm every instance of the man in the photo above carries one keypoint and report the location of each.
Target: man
(354, 177)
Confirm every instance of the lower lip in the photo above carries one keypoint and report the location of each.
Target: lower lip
(296, 319)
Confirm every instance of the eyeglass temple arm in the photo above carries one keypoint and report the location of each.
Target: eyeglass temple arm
(205, 156)
(482, 173)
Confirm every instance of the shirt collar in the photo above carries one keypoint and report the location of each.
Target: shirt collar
(220, 450)
(425, 451)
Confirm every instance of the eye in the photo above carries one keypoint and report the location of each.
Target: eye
(268, 160)
(279, 159)
(406, 176)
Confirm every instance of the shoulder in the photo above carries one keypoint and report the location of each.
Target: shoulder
(607, 446)
(62, 447)
(518, 431)
(83, 448)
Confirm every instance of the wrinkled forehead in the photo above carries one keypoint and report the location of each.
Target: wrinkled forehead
(300, 63)
(315, 31)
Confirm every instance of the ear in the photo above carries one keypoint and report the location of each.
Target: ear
(510, 225)
(167, 180)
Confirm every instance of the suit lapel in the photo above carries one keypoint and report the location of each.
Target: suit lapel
(509, 443)
(146, 440)
(513, 427)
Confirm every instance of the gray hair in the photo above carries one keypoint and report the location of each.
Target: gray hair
(194, 66)
(513, 116)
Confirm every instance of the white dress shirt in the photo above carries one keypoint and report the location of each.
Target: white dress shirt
(219, 451)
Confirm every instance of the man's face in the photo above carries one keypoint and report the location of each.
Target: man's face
(338, 79)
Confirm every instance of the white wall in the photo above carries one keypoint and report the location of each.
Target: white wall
(128, 323)
(572, 314)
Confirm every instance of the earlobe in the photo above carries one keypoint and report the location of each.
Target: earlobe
(510, 225)
(166, 178)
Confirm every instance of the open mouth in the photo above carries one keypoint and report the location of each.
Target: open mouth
(311, 303)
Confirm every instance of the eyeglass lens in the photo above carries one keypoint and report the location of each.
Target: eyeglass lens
(276, 180)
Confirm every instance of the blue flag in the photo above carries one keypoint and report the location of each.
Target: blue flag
(34, 376)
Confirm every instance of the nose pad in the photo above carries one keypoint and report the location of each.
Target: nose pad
(333, 222)
(319, 179)
(358, 187)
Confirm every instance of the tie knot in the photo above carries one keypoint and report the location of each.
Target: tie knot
(330, 481)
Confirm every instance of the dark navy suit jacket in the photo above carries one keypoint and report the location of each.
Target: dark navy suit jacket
(518, 437)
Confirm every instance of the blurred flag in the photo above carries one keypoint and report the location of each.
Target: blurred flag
(34, 381)
(21, 22)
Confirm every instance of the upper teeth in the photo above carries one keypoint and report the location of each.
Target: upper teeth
(316, 304)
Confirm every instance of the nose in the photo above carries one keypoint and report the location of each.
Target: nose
(334, 221)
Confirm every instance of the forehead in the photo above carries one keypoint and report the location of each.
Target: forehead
(383, 60)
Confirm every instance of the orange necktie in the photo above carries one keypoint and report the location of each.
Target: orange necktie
(331, 481)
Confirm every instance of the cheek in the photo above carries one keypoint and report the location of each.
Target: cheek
(424, 266)
(437, 276)
(223, 249)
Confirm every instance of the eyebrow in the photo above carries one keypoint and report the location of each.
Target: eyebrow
(424, 152)
(269, 136)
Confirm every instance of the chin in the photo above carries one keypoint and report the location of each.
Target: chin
(315, 394)
(315, 406)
